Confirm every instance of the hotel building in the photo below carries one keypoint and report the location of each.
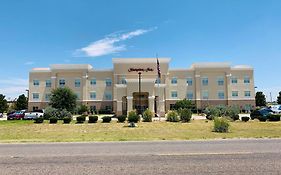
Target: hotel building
(118, 89)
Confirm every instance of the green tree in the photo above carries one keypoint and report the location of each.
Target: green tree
(260, 99)
(21, 102)
(3, 104)
(63, 98)
(279, 98)
(182, 104)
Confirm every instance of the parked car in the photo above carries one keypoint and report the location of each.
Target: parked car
(276, 108)
(261, 114)
(15, 115)
(33, 115)
(1, 115)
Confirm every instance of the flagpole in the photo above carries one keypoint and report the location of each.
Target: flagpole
(158, 82)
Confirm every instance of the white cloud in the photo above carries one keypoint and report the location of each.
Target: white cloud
(13, 87)
(29, 63)
(109, 44)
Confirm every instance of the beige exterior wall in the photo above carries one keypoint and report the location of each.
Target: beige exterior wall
(220, 89)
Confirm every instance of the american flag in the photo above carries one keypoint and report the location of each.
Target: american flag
(158, 69)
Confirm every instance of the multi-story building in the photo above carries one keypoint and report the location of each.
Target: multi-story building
(133, 84)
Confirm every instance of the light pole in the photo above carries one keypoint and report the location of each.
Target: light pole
(27, 90)
(139, 92)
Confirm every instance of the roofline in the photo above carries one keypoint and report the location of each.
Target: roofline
(140, 60)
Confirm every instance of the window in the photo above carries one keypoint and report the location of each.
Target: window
(48, 83)
(157, 80)
(247, 93)
(35, 96)
(93, 81)
(234, 93)
(108, 108)
(221, 95)
(47, 97)
(234, 80)
(189, 95)
(108, 96)
(205, 81)
(35, 82)
(123, 80)
(205, 95)
(220, 81)
(61, 82)
(174, 80)
(77, 83)
(108, 82)
(93, 95)
(174, 94)
(246, 79)
(189, 81)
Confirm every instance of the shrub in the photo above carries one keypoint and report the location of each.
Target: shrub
(121, 118)
(147, 116)
(53, 120)
(172, 116)
(221, 124)
(245, 119)
(81, 119)
(58, 113)
(133, 117)
(106, 119)
(82, 108)
(274, 117)
(262, 118)
(67, 120)
(185, 115)
(93, 119)
(39, 120)
(232, 112)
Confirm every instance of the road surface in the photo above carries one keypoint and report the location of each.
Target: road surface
(253, 156)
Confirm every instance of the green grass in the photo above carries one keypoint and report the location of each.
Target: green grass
(27, 131)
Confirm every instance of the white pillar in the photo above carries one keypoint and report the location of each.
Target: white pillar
(151, 100)
(129, 104)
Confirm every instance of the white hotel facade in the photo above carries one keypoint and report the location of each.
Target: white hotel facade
(118, 90)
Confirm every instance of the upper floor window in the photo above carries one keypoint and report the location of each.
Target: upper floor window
(48, 83)
(246, 79)
(47, 97)
(77, 83)
(108, 96)
(93, 95)
(108, 82)
(35, 82)
(205, 81)
(62, 82)
(247, 93)
(205, 95)
(35, 96)
(123, 80)
(93, 81)
(234, 80)
(189, 95)
(234, 93)
(189, 81)
(221, 95)
(174, 94)
(220, 81)
(174, 80)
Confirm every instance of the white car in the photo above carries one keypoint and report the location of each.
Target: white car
(33, 115)
(276, 109)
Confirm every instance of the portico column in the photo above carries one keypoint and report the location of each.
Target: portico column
(129, 103)
(119, 108)
(151, 103)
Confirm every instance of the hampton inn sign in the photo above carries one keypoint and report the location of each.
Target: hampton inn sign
(117, 89)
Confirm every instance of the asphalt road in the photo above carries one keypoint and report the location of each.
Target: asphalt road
(261, 156)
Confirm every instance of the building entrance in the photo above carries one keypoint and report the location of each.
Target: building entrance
(140, 101)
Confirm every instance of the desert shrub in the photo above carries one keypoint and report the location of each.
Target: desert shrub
(133, 117)
(232, 112)
(39, 120)
(221, 124)
(53, 120)
(185, 114)
(274, 117)
(57, 113)
(67, 120)
(106, 119)
(121, 118)
(172, 116)
(245, 119)
(93, 119)
(81, 119)
(147, 116)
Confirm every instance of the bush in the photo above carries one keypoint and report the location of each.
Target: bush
(82, 108)
(274, 117)
(221, 124)
(172, 116)
(232, 112)
(39, 120)
(106, 119)
(245, 119)
(57, 113)
(53, 120)
(262, 118)
(67, 120)
(185, 115)
(81, 119)
(121, 118)
(93, 119)
(133, 117)
(147, 116)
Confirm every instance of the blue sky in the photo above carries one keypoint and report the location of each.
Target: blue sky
(39, 33)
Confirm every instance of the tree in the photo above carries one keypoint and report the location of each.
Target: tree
(3, 104)
(63, 98)
(260, 99)
(21, 102)
(279, 98)
(182, 104)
